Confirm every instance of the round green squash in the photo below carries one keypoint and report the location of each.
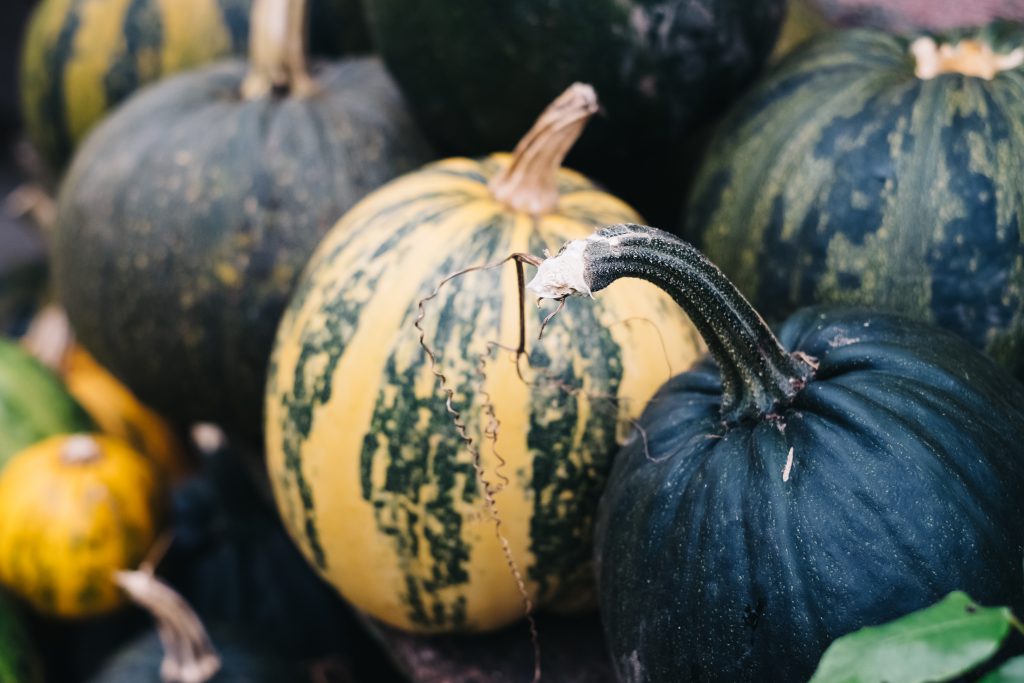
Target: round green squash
(187, 216)
(859, 173)
(477, 73)
(369, 473)
(857, 468)
(33, 403)
(80, 58)
(18, 660)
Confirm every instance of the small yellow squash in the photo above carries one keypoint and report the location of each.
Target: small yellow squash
(73, 510)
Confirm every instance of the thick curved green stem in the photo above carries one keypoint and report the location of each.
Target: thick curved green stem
(757, 373)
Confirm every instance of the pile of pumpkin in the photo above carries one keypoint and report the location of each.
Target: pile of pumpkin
(266, 244)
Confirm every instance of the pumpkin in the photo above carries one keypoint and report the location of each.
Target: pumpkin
(857, 468)
(82, 57)
(872, 169)
(233, 562)
(19, 662)
(119, 413)
(368, 471)
(33, 403)
(185, 220)
(180, 649)
(477, 73)
(75, 509)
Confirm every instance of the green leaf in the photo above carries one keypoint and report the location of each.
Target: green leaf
(937, 643)
(1010, 672)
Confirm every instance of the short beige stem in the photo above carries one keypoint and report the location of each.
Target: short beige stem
(189, 656)
(530, 182)
(49, 337)
(80, 449)
(968, 57)
(277, 50)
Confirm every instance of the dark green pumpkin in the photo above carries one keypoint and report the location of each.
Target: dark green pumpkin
(846, 178)
(186, 218)
(244, 659)
(233, 562)
(477, 73)
(861, 470)
(18, 660)
(82, 57)
(33, 403)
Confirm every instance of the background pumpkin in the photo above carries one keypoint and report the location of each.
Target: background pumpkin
(180, 648)
(186, 218)
(789, 493)
(83, 57)
(847, 177)
(75, 509)
(477, 73)
(33, 403)
(368, 471)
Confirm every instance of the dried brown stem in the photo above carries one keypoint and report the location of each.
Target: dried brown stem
(189, 656)
(277, 50)
(530, 182)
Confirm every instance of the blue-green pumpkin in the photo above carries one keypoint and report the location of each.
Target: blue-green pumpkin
(855, 468)
(883, 170)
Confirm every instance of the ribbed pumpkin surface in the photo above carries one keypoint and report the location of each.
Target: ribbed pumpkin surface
(187, 217)
(67, 525)
(847, 178)
(368, 470)
(82, 57)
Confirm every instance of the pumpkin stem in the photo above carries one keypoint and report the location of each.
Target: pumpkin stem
(189, 656)
(968, 57)
(757, 373)
(80, 449)
(529, 183)
(277, 50)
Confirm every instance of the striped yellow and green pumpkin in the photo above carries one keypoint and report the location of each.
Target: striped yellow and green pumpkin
(368, 471)
(859, 173)
(82, 57)
(74, 509)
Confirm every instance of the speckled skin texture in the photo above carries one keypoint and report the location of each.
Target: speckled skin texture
(189, 214)
(844, 178)
(738, 550)
(476, 74)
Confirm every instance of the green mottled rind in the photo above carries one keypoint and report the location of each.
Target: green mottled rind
(462, 319)
(18, 660)
(337, 27)
(845, 178)
(184, 222)
(33, 403)
(477, 73)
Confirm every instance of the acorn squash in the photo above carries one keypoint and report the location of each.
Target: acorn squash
(369, 473)
(879, 170)
(76, 508)
(186, 218)
(857, 468)
(83, 57)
